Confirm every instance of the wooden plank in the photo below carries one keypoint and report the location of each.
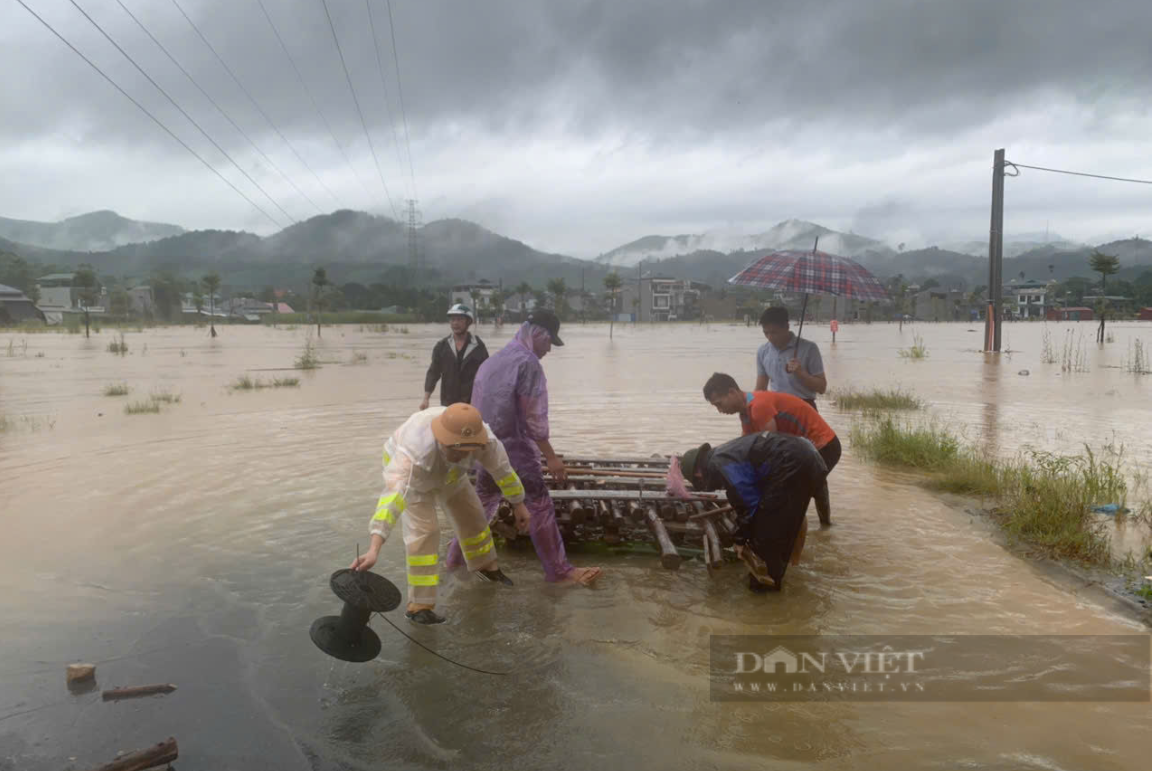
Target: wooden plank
(630, 495)
(156, 755)
(715, 556)
(669, 557)
(137, 691)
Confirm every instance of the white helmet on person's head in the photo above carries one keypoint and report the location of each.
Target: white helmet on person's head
(460, 309)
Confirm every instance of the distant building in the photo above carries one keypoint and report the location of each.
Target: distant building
(1031, 299)
(1069, 314)
(940, 305)
(57, 291)
(141, 299)
(519, 304)
(15, 307)
(1145, 314)
(661, 298)
(462, 293)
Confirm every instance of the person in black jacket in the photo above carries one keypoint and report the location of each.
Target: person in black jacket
(455, 360)
(769, 478)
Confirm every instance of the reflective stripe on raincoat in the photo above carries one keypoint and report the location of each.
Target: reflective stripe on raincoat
(416, 470)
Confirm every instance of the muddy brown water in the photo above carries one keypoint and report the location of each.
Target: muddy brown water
(193, 547)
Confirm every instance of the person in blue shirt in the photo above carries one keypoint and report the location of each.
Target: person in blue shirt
(787, 364)
(769, 479)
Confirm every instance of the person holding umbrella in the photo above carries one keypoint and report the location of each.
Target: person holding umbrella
(787, 364)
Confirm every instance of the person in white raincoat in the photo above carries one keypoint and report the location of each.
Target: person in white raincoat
(426, 461)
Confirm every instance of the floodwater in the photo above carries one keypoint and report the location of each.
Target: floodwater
(193, 547)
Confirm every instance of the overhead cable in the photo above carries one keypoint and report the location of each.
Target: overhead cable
(252, 99)
(219, 109)
(145, 110)
(359, 112)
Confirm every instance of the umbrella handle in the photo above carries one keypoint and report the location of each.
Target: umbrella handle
(803, 309)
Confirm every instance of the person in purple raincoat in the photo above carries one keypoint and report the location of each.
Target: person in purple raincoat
(511, 393)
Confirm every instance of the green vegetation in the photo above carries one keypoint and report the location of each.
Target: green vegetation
(917, 351)
(165, 397)
(116, 389)
(142, 408)
(1073, 357)
(1041, 499)
(1047, 351)
(1137, 362)
(118, 346)
(876, 399)
(307, 358)
(886, 441)
(245, 383)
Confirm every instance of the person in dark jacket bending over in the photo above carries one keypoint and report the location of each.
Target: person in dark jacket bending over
(769, 479)
(455, 360)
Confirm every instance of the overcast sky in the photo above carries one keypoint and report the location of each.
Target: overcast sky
(577, 126)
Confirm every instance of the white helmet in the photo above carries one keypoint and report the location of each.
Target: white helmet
(460, 309)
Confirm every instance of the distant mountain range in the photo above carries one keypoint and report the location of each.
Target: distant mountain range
(356, 246)
(96, 231)
(790, 234)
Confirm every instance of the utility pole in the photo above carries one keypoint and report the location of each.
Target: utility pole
(583, 299)
(993, 321)
(413, 240)
(639, 291)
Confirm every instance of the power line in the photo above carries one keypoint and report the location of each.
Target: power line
(155, 120)
(217, 106)
(384, 86)
(253, 100)
(359, 112)
(311, 98)
(400, 90)
(1079, 173)
(182, 110)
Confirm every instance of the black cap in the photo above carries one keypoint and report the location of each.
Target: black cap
(545, 318)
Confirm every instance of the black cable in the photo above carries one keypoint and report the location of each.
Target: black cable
(144, 110)
(1081, 174)
(384, 87)
(434, 653)
(311, 98)
(359, 112)
(400, 90)
(252, 99)
(219, 109)
(181, 109)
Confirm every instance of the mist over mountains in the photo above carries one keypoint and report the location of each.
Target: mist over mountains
(356, 246)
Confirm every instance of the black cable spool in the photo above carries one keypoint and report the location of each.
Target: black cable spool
(348, 637)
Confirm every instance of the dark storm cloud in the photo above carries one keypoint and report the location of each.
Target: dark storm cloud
(617, 83)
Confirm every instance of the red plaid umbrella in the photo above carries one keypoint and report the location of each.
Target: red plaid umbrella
(810, 273)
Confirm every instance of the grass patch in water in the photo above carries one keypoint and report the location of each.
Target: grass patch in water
(245, 383)
(116, 389)
(142, 408)
(917, 351)
(118, 347)
(892, 443)
(358, 358)
(307, 358)
(876, 399)
(164, 397)
(1040, 498)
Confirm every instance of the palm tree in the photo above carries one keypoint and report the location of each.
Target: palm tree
(85, 281)
(559, 289)
(612, 283)
(211, 284)
(1105, 265)
(319, 281)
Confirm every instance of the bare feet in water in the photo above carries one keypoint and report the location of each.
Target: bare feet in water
(582, 576)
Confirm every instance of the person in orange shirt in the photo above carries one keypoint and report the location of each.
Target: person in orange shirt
(777, 411)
